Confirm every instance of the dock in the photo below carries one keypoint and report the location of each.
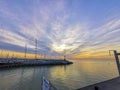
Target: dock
(32, 62)
(112, 84)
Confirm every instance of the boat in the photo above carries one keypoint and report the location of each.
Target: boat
(47, 85)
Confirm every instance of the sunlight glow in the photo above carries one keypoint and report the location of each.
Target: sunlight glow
(63, 47)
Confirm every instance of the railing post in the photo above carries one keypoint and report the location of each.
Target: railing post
(117, 60)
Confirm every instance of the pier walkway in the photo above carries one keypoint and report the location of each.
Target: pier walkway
(112, 84)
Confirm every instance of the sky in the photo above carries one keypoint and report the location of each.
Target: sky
(77, 28)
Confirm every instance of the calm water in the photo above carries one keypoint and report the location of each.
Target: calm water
(77, 75)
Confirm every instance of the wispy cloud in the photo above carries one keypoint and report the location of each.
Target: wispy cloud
(50, 23)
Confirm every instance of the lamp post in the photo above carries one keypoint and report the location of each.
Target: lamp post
(64, 54)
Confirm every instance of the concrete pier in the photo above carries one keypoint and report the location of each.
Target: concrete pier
(32, 62)
(112, 84)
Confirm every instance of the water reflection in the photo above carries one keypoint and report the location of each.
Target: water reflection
(79, 74)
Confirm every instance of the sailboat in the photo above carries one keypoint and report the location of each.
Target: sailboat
(47, 85)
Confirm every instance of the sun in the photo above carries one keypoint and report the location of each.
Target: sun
(59, 48)
(62, 47)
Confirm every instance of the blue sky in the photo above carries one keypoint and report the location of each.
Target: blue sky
(79, 27)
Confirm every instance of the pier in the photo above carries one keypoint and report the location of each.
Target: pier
(31, 62)
(112, 84)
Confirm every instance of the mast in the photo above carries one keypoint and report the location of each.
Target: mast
(25, 51)
(36, 49)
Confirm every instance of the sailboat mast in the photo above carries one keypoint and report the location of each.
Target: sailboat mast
(36, 49)
(25, 51)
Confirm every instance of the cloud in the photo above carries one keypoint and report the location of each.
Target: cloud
(102, 39)
(48, 22)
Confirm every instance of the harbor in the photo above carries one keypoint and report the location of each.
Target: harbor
(109, 84)
(59, 45)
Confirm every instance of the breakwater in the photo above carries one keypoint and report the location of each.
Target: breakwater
(31, 62)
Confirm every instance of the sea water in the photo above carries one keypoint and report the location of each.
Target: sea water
(64, 77)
